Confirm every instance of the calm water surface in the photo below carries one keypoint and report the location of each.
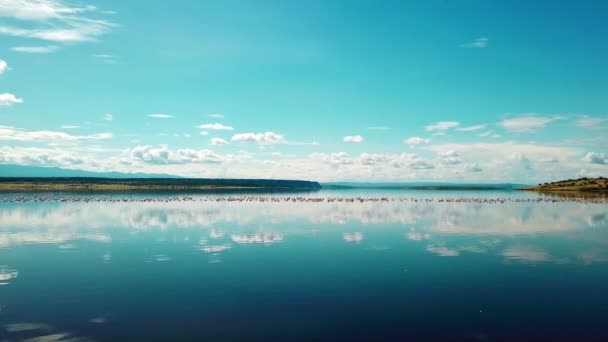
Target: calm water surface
(235, 270)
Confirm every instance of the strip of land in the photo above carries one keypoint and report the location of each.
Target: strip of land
(584, 184)
(151, 184)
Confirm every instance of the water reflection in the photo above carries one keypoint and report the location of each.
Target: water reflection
(7, 274)
(437, 225)
(38, 332)
(220, 270)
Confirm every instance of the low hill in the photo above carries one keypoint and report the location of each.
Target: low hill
(12, 170)
(581, 184)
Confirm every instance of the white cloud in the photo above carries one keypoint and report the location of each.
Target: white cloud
(108, 117)
(160, 116)
(337, 158)
(218, 141)
(373, 158)
(442, 126)
(106, 58)
(3, 67)
(590, 122)
(204, 133)
(473, 168)
(216, 127)
(450, 161)
(216, 116)
(69, 127)
(596, 158)
(471, 128)
(260, 138)
(514, 162)
(163, 155)
(353, 139)
(416, 141)
(528, 123)
(41, 157)
(478, 43)
(16, 134)
(53, 20)
(449, 154)
(405, 160)
(35, 49)
(8, 99)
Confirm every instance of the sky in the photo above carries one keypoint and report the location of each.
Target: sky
(458, 91)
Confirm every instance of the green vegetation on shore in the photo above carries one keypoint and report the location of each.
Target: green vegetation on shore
(151, 184)
(584, 184)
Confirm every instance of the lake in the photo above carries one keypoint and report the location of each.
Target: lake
(329, 265)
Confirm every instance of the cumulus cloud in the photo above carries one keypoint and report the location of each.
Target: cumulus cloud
(380, 160)
(8, 99)
(596, 158)
(450, 160)
(590, 122)
(53, 20)
(473, 168)
(416, 141)
(35, 49)
(448, 154)
(442, 126)
(337, 158)
(164, 155)
(528, 123)
(3, 66)
(260, 138)
(160, 116)
(511, 161)
(419, 164)
(16, 134)
(216, 127)
(40, 157)
(353, 139)
(478, 43)
(218, 141)
(373, 159)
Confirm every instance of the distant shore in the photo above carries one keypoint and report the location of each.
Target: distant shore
(151, 184)
(581, 185)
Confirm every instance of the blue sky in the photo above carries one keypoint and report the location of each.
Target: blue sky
(325, 90)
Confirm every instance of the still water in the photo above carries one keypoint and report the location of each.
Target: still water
(327, 266)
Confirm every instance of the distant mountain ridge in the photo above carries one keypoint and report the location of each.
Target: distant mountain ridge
(12, 170)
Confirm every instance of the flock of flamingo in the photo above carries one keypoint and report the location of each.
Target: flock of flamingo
(296, 199)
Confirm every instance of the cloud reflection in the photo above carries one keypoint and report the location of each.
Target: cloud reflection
(7, 274)
(435, 225)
